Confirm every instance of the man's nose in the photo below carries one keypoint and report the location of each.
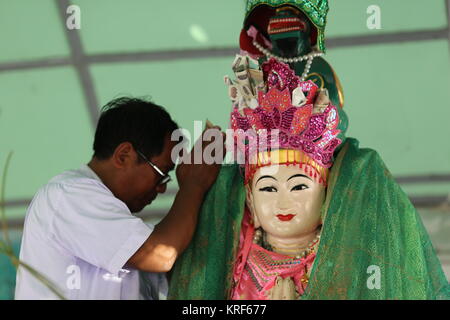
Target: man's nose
(161, 188)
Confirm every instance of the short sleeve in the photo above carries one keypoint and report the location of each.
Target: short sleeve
(95, 226)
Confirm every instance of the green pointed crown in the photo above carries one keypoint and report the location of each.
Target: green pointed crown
(315, 10)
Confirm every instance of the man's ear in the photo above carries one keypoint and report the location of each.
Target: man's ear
(124, 155)
(251, 206)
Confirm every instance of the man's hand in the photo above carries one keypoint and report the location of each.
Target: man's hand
(200, 175)
(173, 234)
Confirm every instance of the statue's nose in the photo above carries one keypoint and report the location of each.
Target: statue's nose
(288, 46)
(284, 201)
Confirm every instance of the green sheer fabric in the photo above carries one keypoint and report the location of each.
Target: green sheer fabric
(369, 222)
(204, 270)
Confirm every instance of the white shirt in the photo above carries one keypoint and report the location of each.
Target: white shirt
(80, 236)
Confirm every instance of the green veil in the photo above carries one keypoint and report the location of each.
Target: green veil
(370, 229)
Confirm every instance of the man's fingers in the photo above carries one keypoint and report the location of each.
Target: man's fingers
(208, 125)
(205, 140)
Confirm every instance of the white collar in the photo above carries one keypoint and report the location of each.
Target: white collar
(87, 171)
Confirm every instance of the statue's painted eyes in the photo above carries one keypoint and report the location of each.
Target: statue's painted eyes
(268, 189)
(300, 187)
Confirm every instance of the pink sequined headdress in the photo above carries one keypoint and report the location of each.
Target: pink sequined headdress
(285, 120)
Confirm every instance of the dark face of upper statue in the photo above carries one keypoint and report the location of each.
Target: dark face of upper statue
(295, 25)
(289, 31)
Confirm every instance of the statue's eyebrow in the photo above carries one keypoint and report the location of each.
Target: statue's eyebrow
(299, 175)
(262, 177)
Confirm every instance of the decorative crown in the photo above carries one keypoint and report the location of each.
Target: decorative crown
(273, 101)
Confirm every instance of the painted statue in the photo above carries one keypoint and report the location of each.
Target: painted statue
(293, 32)
(307, 214)
(285, 183)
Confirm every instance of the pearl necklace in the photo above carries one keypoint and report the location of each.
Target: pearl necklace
(302, 254)
(310, 57)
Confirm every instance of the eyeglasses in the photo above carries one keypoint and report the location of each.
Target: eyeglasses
(165, 178)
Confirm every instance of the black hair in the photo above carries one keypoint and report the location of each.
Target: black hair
(142, 123)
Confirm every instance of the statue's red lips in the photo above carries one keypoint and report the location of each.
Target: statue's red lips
(285, 217)
(280, 25)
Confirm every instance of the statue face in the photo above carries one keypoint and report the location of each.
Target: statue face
(289, 31)
(285, 201)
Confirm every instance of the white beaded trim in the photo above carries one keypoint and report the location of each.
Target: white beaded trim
(310, 57)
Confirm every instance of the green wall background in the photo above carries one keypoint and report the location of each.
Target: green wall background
(397, 95)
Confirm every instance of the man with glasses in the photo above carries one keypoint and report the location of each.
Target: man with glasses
(80, 231)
